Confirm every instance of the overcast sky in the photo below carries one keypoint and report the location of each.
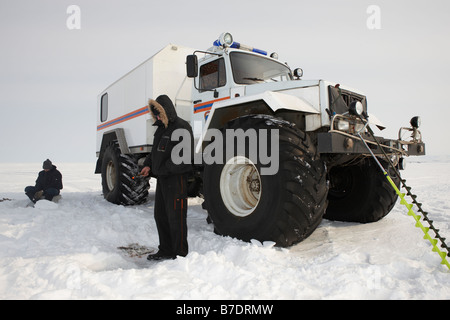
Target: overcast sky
(50, 76)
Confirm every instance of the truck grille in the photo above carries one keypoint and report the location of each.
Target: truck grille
(340, 99)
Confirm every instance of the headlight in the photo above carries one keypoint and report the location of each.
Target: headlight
(415, 122)
(343, 125)
(359, 127)
(356, 108)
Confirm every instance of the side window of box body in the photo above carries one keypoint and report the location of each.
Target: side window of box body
(104, 108)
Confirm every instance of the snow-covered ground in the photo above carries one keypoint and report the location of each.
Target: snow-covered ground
(69, 250)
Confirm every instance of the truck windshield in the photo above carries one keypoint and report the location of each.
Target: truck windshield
(251, 69)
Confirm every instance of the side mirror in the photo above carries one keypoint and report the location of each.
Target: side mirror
(192, 66)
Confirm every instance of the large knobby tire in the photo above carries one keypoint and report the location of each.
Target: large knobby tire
(285, 207)
(360, 192)
(118, 171)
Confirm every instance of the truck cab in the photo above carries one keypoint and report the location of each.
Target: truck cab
(233, 72)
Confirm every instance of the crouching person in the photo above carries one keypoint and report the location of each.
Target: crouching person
(48, 183)
(171, 189)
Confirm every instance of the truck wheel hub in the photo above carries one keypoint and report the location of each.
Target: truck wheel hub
(111, 175)
(240, 186)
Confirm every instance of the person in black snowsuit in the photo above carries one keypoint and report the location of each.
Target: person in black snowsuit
(171, 188)
(48, 183)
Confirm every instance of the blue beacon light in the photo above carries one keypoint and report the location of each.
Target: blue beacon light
(237, 45)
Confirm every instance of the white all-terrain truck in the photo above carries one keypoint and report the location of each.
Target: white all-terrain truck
(315, 163)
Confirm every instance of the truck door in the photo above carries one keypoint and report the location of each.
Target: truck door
(212, 87)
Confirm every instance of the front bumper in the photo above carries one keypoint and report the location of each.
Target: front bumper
(343, 143)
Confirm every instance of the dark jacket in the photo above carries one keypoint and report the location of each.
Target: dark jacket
(160, 160)
(49, 179)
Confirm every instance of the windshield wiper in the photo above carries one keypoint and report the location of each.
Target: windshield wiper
(254, 79)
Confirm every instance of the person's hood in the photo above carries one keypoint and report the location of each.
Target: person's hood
(51, 169)
(164, 107)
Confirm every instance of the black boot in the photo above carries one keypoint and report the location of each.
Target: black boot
(160, 256)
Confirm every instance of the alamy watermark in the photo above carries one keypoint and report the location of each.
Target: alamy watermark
(258, 146)
(374, 19)
(73, 22)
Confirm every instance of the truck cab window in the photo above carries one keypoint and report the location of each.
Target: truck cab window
(104, 108)
(212, 75)
(252, 69)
